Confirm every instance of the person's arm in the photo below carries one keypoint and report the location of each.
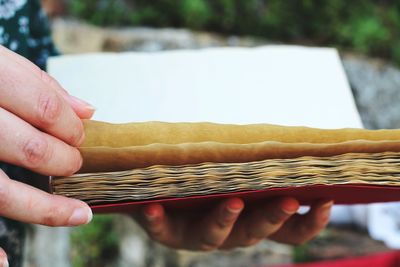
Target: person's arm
(40, 129)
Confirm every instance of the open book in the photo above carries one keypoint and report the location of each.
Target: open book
(128, 164)
(285, 85)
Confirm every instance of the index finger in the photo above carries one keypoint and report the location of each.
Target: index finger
(83, 109)
(27, 96)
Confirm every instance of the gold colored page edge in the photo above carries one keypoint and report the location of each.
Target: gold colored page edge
(145, 133)
(101, 159)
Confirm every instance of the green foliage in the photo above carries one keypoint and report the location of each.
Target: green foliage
(101, 12)
(366, 34)
(304, 253)
(366, 26)
(195, 13)
(93, 243)
(300, 254)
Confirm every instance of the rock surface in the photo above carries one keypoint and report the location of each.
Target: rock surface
(47, 247)
(342, 242)
(376, 88)
(76, 37)
(136, 249)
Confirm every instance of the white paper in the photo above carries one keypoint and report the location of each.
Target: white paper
(287, 85)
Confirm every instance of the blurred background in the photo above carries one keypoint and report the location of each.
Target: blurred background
(369, 27)
(367, 34)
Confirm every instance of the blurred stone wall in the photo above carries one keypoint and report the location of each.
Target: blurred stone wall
(47, 247)
(136, 249)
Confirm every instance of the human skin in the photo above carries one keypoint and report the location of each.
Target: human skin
(41, 126)
(232, 224)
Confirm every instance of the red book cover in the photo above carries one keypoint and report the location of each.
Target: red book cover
(387, 259)
(341, 194)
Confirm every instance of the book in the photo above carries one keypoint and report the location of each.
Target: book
(193, 164)
(286, 85)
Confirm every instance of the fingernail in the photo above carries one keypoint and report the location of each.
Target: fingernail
(151, 213)
(327, 205)
(5, 264)
(235, 206)
(326, 210)
(290, 206)
(82, 102)
(80, 216)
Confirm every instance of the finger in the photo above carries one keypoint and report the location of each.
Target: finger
(302, 228)
(158, 226)
(261, 222)
(216, 227)
(265, 221)
(3, 258)
(25, 146)
(24, 62)
(32, 100)
(83, 109)
(24, 203)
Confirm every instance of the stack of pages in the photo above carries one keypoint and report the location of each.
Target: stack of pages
(162, 161)
(201, 129)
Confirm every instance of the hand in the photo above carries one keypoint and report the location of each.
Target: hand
(230, 224)
(40, 128)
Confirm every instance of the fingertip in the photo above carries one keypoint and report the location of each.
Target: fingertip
(89, 113)
(235, 205)
(84, 205)
(324, 210)
(78, 160)
(290, 205)
(322, 204)
(83, 136)
(83, 109)
(85, 113)
(80, 216)
(90, 215)
(228, 212)
(77, 135)
(328, 203)
(81, 103)
(75, 162)
(153, 211)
